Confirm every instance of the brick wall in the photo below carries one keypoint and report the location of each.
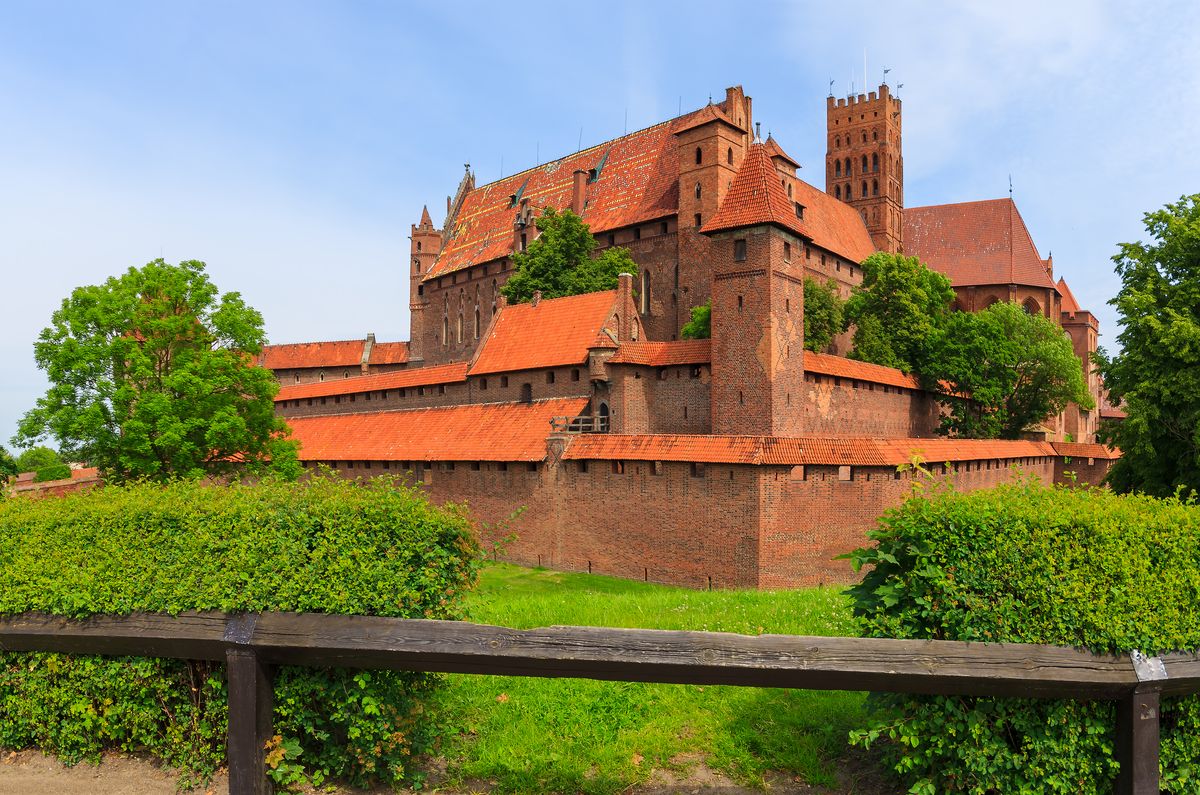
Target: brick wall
(660, 399)
(1075, 469)
(849, 408)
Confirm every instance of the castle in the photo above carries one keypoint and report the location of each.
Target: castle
(585, 426)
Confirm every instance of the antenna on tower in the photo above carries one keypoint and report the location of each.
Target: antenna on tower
(831, 86)
(1010, 186)
(885, 71)
(579, 144)
(626, 130)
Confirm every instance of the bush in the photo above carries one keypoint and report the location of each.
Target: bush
(324, 546)
(1028, 564)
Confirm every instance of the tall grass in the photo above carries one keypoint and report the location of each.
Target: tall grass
(576, 735)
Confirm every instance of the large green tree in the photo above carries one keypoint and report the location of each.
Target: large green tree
(152, 375)
(897, 309)
(823, 309)
(8, 465)
(560, 261)
(700, 326)
(1156, 375)
(46, 464)
(1017, 368)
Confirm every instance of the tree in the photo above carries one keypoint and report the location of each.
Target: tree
(822, 314)
(8, 465)
(46, 464)
(559, 261)
(896, 310)
(151, 375)
(700, 326)
(1156, 375)
(1017, 369)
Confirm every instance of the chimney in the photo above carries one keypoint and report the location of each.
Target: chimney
(537, 296)
(579, 191)
(626, 308)
(368, 344)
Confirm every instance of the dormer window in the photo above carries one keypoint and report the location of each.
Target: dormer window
(799, 210)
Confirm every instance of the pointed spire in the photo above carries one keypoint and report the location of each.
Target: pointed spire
(756, 197)
(425, 219)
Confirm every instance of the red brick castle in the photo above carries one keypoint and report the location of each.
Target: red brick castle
(743, 460)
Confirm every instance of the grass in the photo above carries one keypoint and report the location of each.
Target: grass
(578, 735)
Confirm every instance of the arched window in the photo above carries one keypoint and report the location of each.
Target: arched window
(837, 141)
(875, 162)
(729, 156)
(864, 136)
(837, 168)
(837, 191)
(645, 296)
(875, 135)
(846, 167)
(459, 336)
(699, 156)
(874, 187)
(1032, 307)
(495, 295)
(864, 189)
(477, 321)
(698, 190)
(864, 164)
(789, 191)
(445, 331)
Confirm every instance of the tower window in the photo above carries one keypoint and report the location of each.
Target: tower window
(864, 136)
(875, 162)
(874, 187)
(847, 166)
(697, 219)
(699, 156)
(523, 241)
(645, 296)
(418, 245)
(837, 191)
(729, 156)
(477, 319)
(864, 189)
(837, 141)
(698, 190)
(739, 251)
(849, 193)
(864, 164)
(875, 135)
(787, 251)
(837, 168)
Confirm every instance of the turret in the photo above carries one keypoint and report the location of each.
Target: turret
(864, 164)
(426, 244)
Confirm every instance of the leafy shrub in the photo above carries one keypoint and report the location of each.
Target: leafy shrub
(1028, 564)
(324, 546)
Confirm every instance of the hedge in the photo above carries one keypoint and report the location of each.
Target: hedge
(323, 546)
(1030, 564)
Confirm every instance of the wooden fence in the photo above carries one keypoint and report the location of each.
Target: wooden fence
(251, 643)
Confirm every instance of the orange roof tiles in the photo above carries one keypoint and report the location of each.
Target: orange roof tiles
(842, 367)
(832, 224)
(389, 353)
(775, 150)
(976, 243)
(755, 197)
(771, 450)
(487, 432)
(341, 353)
(638, 180)
(664, 354)
(554, 333)
(1069, 304)
(420, 376)
(1085, 450)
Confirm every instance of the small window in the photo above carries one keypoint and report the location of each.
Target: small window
(618, 467)
(789, 191)
(612, 239)
(526, 393)
(321, 376)
(575, 374)
(837, 191)
(441, 389)
(697, 219)
(297, 378)
(739, 251)
(694, 372)
(874, 162)
(420, 391)
(531, 466)
(503, 381)
(502, 466)
(662, 228)
(524, 241)
(475, 466)
(582, 466)
(874, 187)
(482, 384)
(729, 156)
(787, 251)
(656, 468)
(837, 168)
(864, 189)
(699, 156)
(844, 473)
(637, 233)
(799, 210)
(739, 303)
(549, 376)
(697, 469)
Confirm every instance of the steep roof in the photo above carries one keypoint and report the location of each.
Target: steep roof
(842, 367)
(554, 333)
(420, 376)
(1069, 304)
(976, 243)
(389, 353)
(774, 450)
(637, 179)
(477, 432)
(755, 197)
(832, 224)
(339, 353)
(775, 150)
(664, 354)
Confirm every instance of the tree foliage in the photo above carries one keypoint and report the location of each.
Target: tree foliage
(560, 261)
(46, 464)
(823, 310)
(151, 375)
(700, 326)
(1156, 376)
(1017, 368)
(8, 465)
(896, 310)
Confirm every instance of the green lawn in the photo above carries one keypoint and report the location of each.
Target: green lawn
(575, 735)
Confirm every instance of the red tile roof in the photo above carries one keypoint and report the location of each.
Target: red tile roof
(771, 450)
(479, 432)
(775, 150)
(420, 376)
(832, 224)
(664, 354)
(389, 353)
(842, 367)
(1112, 413)
(755, 197)
(1069, 304)
(638, 180)
(341, 353)
(1085, 450)
(976, 243)
(554, 333)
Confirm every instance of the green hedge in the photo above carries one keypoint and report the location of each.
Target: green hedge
(1030, 564)
(324, 546)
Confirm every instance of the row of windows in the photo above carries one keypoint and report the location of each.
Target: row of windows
(838, 168)
(696, 469)
(851, 383)
(663, 229)
(728, 155)
(848, 193)
(421, 468)
(382, 394)
(837, 139)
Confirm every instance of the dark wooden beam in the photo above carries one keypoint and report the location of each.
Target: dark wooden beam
(1137, 744)
(251, 707)
(188, 636)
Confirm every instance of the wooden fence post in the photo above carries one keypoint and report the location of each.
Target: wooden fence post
(251, 702)
(1137, 744)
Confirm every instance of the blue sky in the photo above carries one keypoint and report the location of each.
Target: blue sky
(290, 145)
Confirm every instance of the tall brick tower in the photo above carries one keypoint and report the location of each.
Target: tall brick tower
(864, 164)
(426, 244)
(757, 304)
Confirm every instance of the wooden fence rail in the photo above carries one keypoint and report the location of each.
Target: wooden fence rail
(251, 643)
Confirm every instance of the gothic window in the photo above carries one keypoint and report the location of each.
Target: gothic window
(495, 295)
(699, 156)
(729, 155)
(864, 136)
(418, 245)
(864, 164)
(875, 162)
(697, 219)
(849, 193)
(837, 142)
(787, 251)
(846, 166)
(874, 187)
(1031, 307)
(698, 190)
(789, 191)
(445, 331)
(523, 241)
(875, 135)
(645, 296)
(837, 191)
(477, 323)
(837, 168)
(864, 189)
(460, 329)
